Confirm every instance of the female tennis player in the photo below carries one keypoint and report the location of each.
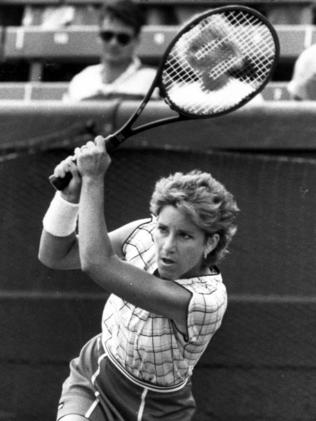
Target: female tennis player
(167, 296)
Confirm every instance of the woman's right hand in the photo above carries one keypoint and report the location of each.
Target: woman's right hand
(71, 192)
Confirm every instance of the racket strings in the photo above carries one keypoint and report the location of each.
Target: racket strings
(256, 42)
(178, 71)
(236, 46)
(225, 37)
(258, 51)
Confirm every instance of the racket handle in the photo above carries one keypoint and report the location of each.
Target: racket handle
(60, 183)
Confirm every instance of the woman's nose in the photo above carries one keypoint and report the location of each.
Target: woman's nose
(169, 243)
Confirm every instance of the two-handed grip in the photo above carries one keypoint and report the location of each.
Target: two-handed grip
(59, 183)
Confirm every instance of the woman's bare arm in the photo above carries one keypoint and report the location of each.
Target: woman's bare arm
(63, 252)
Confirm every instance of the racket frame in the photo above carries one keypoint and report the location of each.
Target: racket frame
(115, 139)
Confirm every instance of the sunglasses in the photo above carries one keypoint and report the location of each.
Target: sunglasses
(121, 37)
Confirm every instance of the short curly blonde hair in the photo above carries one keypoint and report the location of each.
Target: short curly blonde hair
(205, 200)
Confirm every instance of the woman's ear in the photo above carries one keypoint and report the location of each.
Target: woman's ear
(211, 243)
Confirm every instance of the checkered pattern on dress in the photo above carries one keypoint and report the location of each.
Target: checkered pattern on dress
(148, 345)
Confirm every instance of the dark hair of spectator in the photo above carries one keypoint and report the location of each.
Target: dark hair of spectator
(126, 11)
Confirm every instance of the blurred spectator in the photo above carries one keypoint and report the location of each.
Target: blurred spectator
(120, 72)
(303, 83)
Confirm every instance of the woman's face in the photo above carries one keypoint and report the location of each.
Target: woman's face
(180, 245)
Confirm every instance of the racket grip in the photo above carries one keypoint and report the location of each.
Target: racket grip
(59, 183)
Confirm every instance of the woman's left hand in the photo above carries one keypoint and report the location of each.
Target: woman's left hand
(93, 159)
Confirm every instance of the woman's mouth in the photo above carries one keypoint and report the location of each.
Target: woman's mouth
(167, 261)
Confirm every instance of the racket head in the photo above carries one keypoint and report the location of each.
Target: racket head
(218, 62)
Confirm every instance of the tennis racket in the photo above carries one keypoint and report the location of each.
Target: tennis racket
(216, 63)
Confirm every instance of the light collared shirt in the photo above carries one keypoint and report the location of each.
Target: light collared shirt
(135, 81)
(148, 346)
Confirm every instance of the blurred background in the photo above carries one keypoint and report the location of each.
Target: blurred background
(261, 365)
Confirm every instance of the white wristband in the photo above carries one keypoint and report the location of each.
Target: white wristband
(60, 219)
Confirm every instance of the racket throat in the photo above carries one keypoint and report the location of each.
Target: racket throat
(114, 140)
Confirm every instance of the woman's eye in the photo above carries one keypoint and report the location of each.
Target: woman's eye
(185, 236)
(162, 229)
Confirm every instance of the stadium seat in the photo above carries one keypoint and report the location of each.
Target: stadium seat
(48, 91)
(32, 91)
(12, 91)
(276, 91)
(294, 39)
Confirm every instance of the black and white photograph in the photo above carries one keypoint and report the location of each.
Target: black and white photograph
(157, 216)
